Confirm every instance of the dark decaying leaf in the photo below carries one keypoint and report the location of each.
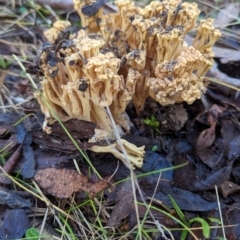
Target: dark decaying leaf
(21, 131)
(13, 200)
(62, 183)
(229, 130)
(123, 197)
(26, 165)
(154, 161)
(236, 173)
(80, 130)
(234, 148)
(181, 152)
(215, 179)
(24, 137)
(232, 217)
(14, 224)
(185, 176)
(231, 220)
(186, 200)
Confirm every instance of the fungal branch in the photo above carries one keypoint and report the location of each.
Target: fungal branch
(121, 57)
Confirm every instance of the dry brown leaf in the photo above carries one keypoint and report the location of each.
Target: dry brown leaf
(207, 138)
(60, 141)
(62, 183)
(228, 188)
(213, 114)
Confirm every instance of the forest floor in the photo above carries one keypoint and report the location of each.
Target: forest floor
(189, 185)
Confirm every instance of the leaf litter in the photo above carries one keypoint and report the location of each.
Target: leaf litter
(208, 142)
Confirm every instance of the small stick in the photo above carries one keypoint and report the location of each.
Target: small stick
(10, 164)
(13, 159)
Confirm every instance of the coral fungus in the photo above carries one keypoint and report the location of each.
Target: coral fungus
(132, 54)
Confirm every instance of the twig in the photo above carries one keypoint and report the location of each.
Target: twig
(13, 159)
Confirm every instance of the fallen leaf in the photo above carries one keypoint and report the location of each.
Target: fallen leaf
(218, 96)
(154, 161)
(227, 188)
(185, 176)
(78, 128)
(236, 173)
(59, 139)
(229, 130)
(231, 218)
(51, 159)
(205, 140)
(215, 179)
(62, 183)
(234, 148)
(26, 164)
(13, 200)
(14, 225)
(186, 200)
